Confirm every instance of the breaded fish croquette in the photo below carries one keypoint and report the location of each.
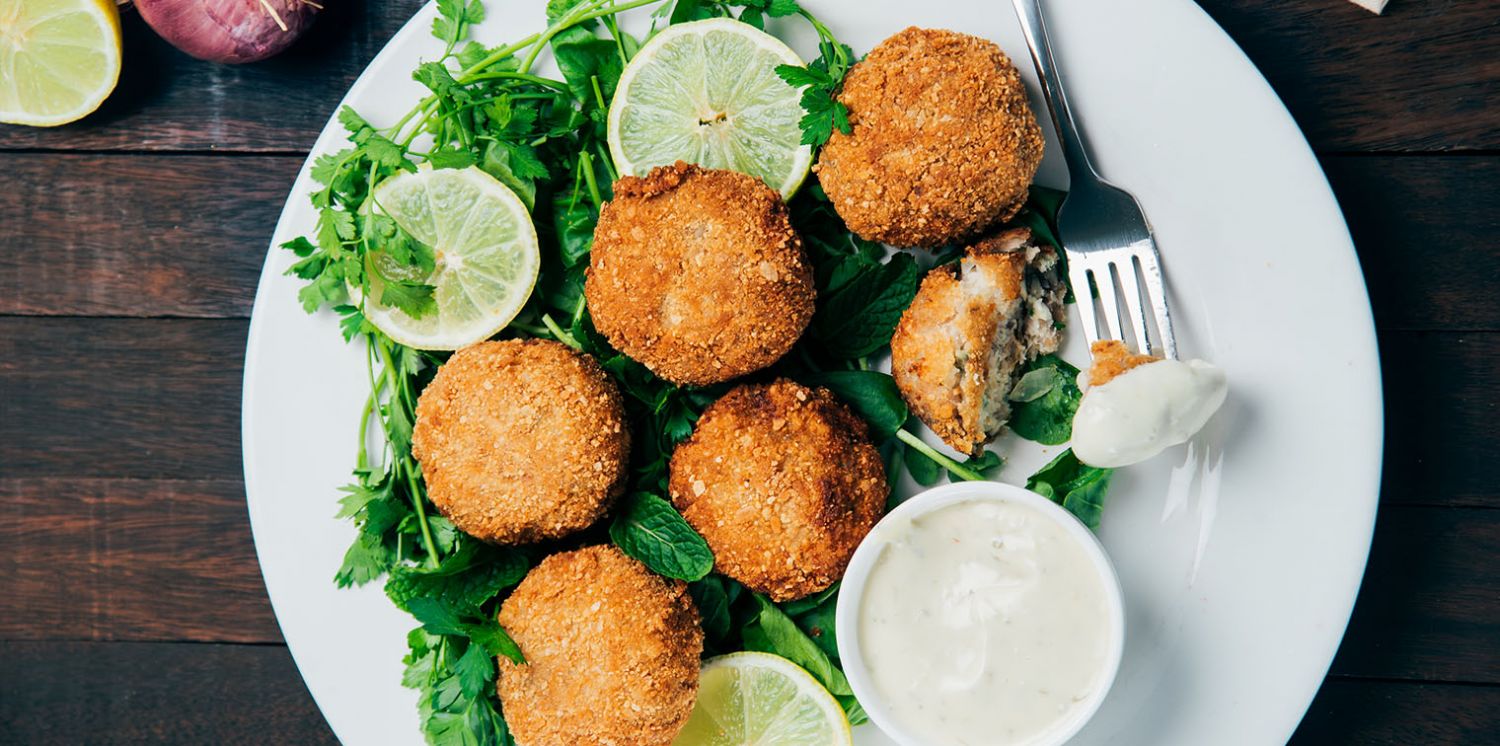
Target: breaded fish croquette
(959, 347)
(1111, 358)
(943, 143)
(783, 483)
(697, 274)
(611, 653)
(521, 441)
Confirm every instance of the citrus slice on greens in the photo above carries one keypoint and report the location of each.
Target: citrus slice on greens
(59, 59)
(762, 698)
(485, 256)
(706, 92)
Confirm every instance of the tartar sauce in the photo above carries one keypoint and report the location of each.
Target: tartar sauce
(984, 623)
(1146, 410)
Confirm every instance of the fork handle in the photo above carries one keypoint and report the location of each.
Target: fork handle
(1035, 29)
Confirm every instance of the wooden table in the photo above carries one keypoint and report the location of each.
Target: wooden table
(131, 606)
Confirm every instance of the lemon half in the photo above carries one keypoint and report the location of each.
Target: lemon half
(59, 59)
(486, 256)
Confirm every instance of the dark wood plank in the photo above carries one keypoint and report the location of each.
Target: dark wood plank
(1420, 77)
(120, 398)
(119, 235)
(130, 559)
(1425, 230)
(1414, 79)
(169, 101)
(1427, 607)
(119, 693)
(1442, 399)
(1374, 713)
(186, 235)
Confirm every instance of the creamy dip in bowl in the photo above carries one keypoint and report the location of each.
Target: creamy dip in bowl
(980, 614)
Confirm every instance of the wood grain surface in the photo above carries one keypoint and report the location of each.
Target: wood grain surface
(131, 606)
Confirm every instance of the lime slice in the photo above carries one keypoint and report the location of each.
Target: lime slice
(486, 256)
(706, 92)
(59, 59)
(759, 698)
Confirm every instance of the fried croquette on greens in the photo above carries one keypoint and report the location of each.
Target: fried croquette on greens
(697, 274)
(783, 483)
(943, 142)
(521, 441)
(611, 653)
(960, 346)
(1111, 358)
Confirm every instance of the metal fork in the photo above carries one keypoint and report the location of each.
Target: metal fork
(1103, 231)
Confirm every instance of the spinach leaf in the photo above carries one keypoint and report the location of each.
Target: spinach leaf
(772, 631)
(649, 529)
(1048, 418)
(713, 606)
(872, 394)
(1076, 486)
(924, 470)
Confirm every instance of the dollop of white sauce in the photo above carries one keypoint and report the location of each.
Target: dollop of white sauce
(1145, 411)
(984, 623)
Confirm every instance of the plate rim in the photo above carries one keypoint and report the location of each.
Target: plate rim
(415, 25)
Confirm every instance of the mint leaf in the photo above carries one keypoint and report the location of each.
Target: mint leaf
(858, 317)
(649, 529)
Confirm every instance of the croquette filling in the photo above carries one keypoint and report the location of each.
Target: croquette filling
(1026, 329)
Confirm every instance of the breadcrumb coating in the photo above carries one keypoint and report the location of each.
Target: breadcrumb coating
(783, 482)
(943, 142)
(697, 274)
(1111, 358)
(958, 348)
(521, 440)
(611, 653)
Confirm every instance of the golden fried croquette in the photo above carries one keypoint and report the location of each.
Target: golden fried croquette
(783, 482)
(521, 440)
(959, 347)
(943, 143)
(697, 274)
(611, 653)
(1111, 358)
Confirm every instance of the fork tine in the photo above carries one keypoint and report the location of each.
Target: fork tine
(1156, 291)
(1130, 286)
(1104, 281)
(1078, 277)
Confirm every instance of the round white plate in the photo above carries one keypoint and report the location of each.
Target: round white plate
(1240, 557)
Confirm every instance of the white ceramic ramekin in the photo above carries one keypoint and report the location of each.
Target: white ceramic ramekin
(851, 600)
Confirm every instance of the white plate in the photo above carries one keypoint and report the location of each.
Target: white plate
(1238, 585)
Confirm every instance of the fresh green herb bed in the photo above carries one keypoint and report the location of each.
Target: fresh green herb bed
(545, 139)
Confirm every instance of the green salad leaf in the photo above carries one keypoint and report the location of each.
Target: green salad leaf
(1047, 415)
(1076, 486)
(649, 529)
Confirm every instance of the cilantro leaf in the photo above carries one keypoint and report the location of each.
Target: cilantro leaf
(415, 299)
(454, 17)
